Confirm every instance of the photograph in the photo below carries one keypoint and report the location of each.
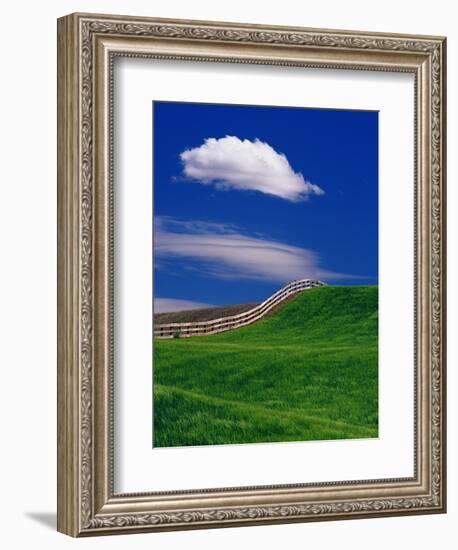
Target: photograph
(265, 283)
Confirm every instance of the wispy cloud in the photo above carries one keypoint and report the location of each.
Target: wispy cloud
(166, 305)
(232, 163)
(224, 252)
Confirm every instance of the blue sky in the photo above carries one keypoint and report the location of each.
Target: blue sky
(248, 198)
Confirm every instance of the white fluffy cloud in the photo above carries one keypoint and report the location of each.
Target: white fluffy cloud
(232, 163)
(166, 305)
(224, 252)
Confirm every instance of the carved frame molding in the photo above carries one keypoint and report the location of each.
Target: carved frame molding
(87, 46)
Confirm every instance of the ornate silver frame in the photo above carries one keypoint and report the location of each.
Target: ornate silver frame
(87, 44)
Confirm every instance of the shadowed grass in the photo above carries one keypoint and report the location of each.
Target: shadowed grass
(307, 372)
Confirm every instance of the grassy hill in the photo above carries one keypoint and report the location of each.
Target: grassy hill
(307, 372)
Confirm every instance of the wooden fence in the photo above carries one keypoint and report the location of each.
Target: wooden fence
(202, 328)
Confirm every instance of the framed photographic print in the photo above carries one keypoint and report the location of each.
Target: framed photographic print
(251, 274)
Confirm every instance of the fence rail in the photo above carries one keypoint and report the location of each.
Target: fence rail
(202, 328)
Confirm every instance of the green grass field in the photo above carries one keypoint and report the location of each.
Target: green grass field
(306, 372)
